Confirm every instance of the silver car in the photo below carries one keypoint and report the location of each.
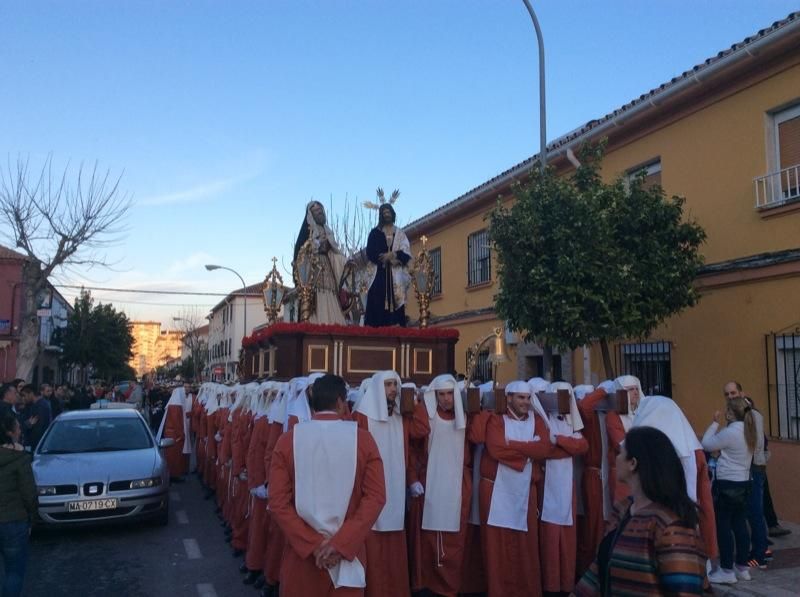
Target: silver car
(99, 466)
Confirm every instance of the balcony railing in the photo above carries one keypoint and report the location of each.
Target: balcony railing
(778, 187)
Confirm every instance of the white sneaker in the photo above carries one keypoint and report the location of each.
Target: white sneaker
(742, 573)
(721, 576)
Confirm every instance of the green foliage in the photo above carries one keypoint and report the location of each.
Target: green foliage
(99, 336)
(581, 260)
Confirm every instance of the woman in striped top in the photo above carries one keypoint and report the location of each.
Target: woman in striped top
(654, 547)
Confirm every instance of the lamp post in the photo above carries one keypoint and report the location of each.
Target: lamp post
(542, 105)
(272, 292)
(211, 268)
(498, 355)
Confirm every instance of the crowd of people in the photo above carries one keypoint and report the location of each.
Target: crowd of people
(326, 489)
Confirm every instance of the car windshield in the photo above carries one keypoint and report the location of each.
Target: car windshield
(113, 434)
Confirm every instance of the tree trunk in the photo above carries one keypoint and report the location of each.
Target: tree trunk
(28, 348)
(547, 363)
(609, 367)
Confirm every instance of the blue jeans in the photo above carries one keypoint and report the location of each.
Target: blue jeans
(730, 508)
(14, 545)
(755, 515)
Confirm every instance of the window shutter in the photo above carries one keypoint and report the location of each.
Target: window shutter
(789, 142)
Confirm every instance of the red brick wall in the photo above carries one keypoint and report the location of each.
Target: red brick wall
(10, 309)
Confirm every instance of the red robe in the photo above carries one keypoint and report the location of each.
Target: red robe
(393, 580)
(210, 468)
(592, 525)
(177, 461)
(511, 558)
(473, 579)
(257, 476)
(705, 506)
(616, 435)
(240, 494)
(275, 539)
(438, 559)
(223, 457)
(558, 543)
(300, 576)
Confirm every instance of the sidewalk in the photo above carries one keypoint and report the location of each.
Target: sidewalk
(781, 578)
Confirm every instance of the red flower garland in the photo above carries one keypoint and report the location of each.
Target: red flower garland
(347, 330)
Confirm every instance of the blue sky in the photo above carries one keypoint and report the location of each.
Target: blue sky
(225, 118)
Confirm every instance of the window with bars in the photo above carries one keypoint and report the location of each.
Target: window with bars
(479, 258)
(436, 262)
(650, 362)
(483, 367)
(783, 373)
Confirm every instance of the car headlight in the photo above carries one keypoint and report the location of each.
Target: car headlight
(145, 483)
(46, 490)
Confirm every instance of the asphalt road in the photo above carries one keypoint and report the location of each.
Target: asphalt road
(189, 557)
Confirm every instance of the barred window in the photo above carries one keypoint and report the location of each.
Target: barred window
(483, 366)
(650, 362)
(436, 262)
(787, 383)
(479, 258)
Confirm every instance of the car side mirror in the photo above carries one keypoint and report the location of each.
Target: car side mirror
(166, 442)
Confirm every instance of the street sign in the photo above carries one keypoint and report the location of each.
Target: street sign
(5, 326)
(218, 370)
(43, 312)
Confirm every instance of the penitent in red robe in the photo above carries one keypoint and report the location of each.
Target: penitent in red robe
(438, 557)
(558, 543)
(275, 540)
(177, 461)
(257, 476)
(592, 525)
(300, 576)
(240, 495)
(511, 557)
(393, 580)
(210, 468)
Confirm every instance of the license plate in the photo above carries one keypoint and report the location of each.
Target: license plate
(89, 505)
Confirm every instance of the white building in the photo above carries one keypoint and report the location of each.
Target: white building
(226, 328)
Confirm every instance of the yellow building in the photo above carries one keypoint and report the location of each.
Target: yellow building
(725, 135)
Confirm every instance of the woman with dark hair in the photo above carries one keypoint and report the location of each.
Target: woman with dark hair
(731, 489)
(654, 547)
(17, 504)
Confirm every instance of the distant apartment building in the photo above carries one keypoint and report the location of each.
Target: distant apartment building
(152, 347)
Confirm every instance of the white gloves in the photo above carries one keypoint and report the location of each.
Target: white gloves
(217, 436)
(608, 386)
(243, 476)
(416, 489)
(260, 492)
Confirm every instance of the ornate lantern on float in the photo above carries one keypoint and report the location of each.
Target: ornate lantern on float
(273, 292)
(423, 282)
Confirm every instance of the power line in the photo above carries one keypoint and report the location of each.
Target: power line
(128, 302)
(131, 290)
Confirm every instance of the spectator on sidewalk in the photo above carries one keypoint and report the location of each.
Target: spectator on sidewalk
(37, 415)
(758, 476)
(736, 444)
(17, 504)
(653, 546)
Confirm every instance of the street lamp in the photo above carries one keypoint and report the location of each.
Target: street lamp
(211, 268)
(542, 107)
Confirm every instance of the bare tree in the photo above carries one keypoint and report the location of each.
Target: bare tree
(189, 321)
(349, 226)
(59, 220)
